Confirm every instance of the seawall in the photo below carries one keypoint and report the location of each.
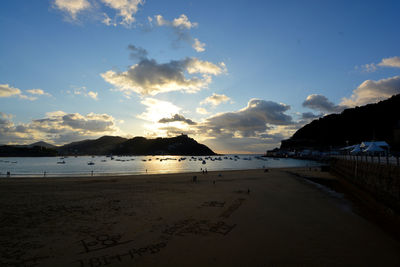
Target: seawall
(381, 181)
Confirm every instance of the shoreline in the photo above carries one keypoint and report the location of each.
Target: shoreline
(244, 218)
(127, 174)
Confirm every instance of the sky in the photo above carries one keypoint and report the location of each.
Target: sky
(238, 76)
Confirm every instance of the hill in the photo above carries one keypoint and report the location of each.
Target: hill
(25, 151)
(42, 144)
(101, 146)
(380, 121)
(179, 145)
(106, 145)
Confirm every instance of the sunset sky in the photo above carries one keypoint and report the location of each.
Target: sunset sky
(238, 76)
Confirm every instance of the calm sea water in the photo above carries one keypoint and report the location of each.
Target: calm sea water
(127, 165)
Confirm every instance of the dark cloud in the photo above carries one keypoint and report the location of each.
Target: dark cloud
(57, 127)
(137, 52)
(149, 77)
(259, 126)
(310, 115)
(321, 103)
(249, 121)
(174, 131)
(177, 117)
(181, 27)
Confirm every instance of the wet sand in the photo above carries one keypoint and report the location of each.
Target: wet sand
(245, 218)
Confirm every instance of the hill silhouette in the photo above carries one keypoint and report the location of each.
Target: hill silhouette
(179, 145)
(115, 145)
(379, 121)
(101, 146)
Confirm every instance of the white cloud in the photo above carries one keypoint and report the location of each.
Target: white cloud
(390, 62)
(84, 92)
(93, 95)
(38, 92)
(8, 91)
(182, 22)
(71, 7)
(373, 91)
(181, 26)
(108, 21)
(215, 100)
(393, 62)
(198, 46)
(126, 9)
(202, 111)
(31, 98)
(321, 103)
(57, 127)
(150, 78)
(369, 67)
(58, 113)
(194, 65)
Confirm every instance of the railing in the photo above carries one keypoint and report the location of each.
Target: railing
(384, 160)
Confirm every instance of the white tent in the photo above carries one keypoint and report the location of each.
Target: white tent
(381, 144)
(373, 148)
(356, 150)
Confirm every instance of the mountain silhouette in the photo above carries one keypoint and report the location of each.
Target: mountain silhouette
(379, 121)
(115, 145)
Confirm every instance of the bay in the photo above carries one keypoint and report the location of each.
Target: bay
(128, 165)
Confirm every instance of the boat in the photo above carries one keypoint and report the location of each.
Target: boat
(61, 162)
(90, 163)
(204, 162)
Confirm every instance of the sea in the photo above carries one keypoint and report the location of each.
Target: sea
(134, 165)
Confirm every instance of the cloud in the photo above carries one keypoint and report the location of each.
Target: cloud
(182, 22)
(148, 77)
(8, 91)
(71, 7)
(93, 95)
(57, 127)
(84, 92)
(321, 103)
(368, 67)
(202, 111)
(108, 21)
(260, 125)
(198, 46)
(390, 62)
(249, 121)
(31, 98)
(137, 52)
(393, 62)
(215, 100)
(126, 10)
(38, 92)
(373, 91)
(177, 117)
(310, 116)
(181, 26)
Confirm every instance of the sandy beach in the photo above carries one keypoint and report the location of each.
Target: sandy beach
(231, 218)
